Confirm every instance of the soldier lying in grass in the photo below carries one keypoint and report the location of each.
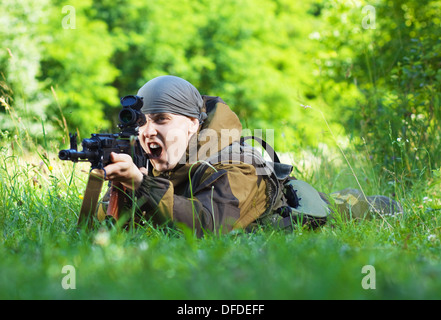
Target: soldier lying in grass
(202, 175)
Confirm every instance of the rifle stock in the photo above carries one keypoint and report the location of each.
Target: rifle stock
(90, 198)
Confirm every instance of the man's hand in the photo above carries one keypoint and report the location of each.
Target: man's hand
(122, 169)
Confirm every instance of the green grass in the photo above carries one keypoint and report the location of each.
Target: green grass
(40, 200)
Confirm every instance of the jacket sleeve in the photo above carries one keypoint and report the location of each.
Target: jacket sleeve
(227, 197)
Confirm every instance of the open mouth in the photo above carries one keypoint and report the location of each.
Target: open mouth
(155, 150)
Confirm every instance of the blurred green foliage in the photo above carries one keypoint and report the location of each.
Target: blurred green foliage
(393, 80)
(372, 69)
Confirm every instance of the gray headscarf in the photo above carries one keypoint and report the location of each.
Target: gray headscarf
(172, 94)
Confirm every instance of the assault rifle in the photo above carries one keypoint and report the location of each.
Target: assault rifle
(97, 150)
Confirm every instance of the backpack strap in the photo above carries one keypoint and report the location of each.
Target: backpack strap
(281, 170)
(266, 146)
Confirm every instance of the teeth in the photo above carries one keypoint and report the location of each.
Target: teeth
(154, 146)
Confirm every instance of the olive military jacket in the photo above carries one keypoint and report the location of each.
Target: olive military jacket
(221, 184)
(218, 187)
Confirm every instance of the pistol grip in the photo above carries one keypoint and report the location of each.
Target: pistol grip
(116, 200)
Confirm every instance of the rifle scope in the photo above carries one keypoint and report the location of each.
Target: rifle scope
(131, 114)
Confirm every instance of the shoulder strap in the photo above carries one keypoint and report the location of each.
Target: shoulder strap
(266, 146)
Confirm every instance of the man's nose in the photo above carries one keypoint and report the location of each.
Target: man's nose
(148, 130)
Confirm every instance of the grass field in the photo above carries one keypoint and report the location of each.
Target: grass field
(44, 256)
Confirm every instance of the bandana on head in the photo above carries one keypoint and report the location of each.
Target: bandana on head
(170, 94)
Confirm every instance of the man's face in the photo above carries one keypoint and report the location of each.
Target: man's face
(165, 138)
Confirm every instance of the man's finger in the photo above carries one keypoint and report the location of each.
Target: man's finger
(120, 157)
(110, 168)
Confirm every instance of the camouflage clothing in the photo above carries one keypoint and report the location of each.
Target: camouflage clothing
(234, 187)
(222, 196)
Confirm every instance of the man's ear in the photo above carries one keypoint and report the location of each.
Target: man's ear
(194, 126)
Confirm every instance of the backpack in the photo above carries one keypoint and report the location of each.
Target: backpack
(293, 201)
